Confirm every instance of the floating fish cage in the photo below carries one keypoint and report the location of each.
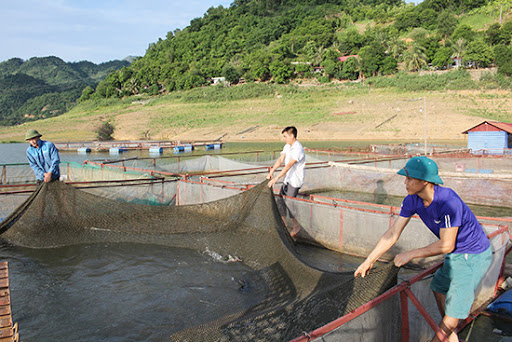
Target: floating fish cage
(349, 227)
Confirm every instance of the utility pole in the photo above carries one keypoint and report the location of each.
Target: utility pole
(424, 108)
(425, 105)
(501, 14)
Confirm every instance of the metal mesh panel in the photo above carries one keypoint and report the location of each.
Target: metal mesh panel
(195, 193)
(153, 192)
(8, 203)
(380, 324)
(472, 188)
(488, 283)
(16, 174)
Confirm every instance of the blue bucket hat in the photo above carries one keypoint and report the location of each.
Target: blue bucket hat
(421, 168)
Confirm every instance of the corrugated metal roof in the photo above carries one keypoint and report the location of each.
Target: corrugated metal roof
(491, 126)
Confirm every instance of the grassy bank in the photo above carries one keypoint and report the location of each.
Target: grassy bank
(258, 111)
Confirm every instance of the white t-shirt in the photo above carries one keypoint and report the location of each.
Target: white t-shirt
(295, 176)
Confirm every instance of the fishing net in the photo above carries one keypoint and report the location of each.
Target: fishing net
(245, 227)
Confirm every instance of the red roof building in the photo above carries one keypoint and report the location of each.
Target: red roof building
(490, 137)
(491, 126)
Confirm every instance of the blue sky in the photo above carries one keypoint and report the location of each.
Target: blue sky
(92, 30)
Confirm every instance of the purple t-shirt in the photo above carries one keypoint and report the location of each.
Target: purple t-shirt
(448, 210)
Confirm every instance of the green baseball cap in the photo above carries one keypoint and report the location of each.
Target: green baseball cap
(32, 133)
(421, 168)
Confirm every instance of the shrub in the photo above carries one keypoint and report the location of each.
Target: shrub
(104, 131)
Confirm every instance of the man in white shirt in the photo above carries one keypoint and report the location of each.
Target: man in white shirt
(294, 160)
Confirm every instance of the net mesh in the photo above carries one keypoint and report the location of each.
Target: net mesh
(246, 226)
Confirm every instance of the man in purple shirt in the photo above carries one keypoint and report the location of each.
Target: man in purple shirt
(43, 157)
(461, 238)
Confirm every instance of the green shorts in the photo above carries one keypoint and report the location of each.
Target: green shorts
(458, 279)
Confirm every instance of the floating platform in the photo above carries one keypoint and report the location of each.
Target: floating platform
(103, 146)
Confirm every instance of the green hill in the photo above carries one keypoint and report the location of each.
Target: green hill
(45, 87)
(292, 41)
(280, 41)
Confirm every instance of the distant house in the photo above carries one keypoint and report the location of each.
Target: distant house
(217, 80)
(344, 58)
(457, 63)
(490, 137)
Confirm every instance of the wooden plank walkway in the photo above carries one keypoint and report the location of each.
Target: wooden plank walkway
(8, 331)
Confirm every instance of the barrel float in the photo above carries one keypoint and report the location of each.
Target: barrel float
(155, 149)
(84, 150)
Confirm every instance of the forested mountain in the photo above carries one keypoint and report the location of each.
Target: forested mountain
(45, 87)
(281, 40)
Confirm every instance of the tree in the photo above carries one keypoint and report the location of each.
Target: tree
(442, 58)
(395, 47)
(480, 53)
(389, 66)
(459, 49)
(431, 45)
(446, 23)
(331, 68)
(371, 58)
(104, 131)
(258, 65)
(407, 19)
(463, 31)
(418, 34)
(415, 58)
(503, 55)
(349, 41)
(281, 71)
(350, 70)
(231, 73)
(506, 33)
(428, 18)
(302, 69)
(86, 94)
(493, 34)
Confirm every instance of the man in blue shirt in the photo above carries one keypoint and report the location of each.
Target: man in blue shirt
(461, 238)
(43, 157)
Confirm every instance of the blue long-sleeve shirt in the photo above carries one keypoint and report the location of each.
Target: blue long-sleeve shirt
(44, 158)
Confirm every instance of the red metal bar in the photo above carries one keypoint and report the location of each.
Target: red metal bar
(400, 288)
(341, 229)
(404, 308)
(439, 333)
(364, 308)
